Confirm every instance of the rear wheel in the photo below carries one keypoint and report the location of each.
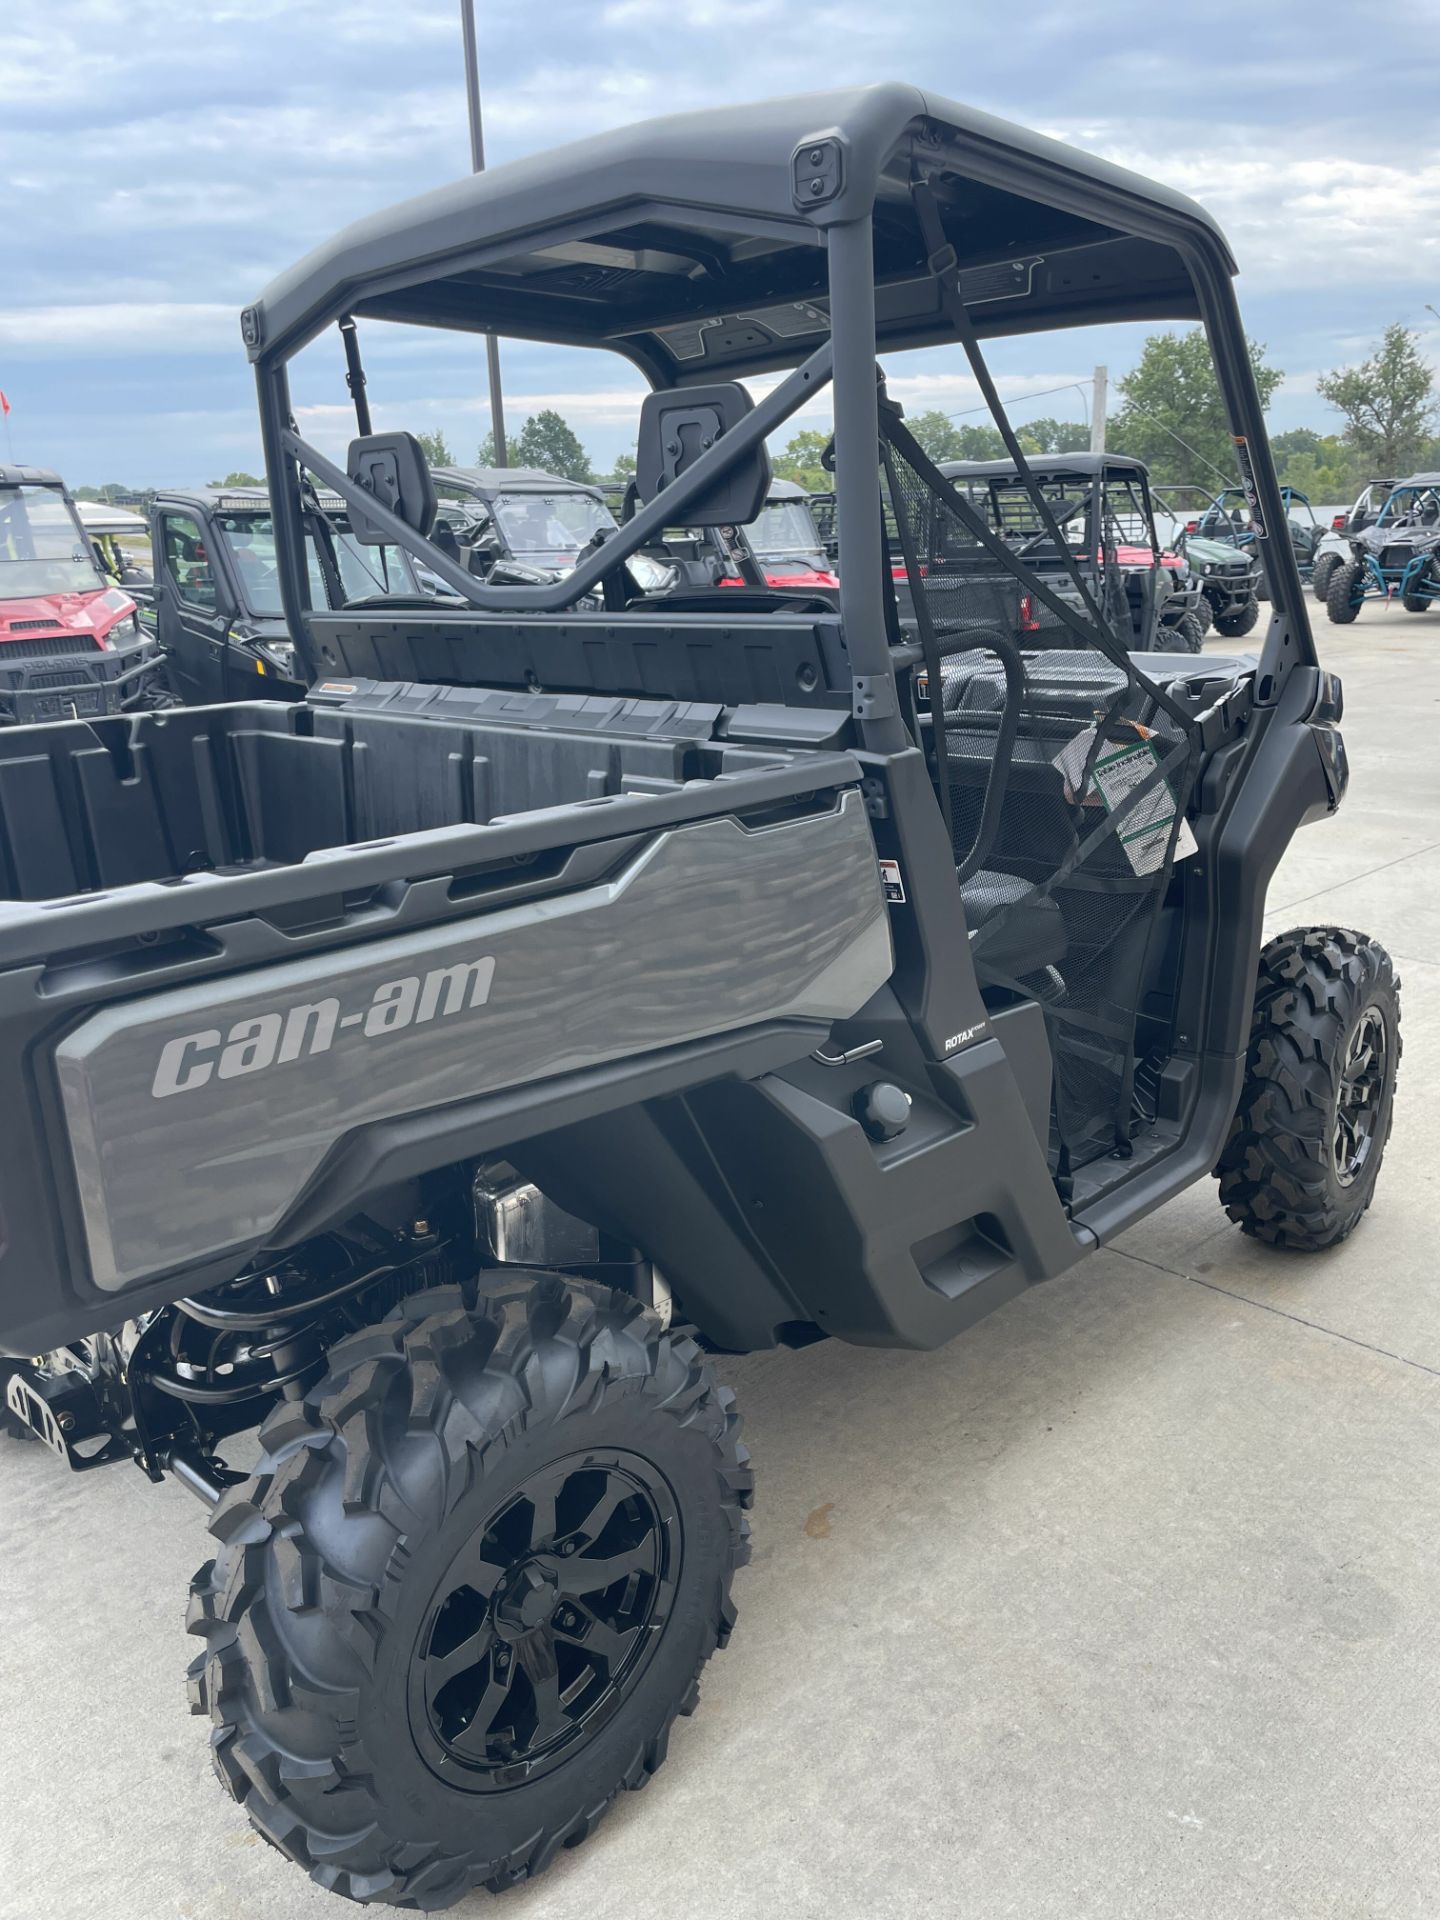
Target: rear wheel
(1342, 596)
(1415, 602)
(474, 1579)
(1240, 620)
(1305, 1146)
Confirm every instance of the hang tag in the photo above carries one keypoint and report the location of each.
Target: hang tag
(1116, 774)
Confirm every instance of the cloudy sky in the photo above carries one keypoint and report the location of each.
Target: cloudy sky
(160, 160)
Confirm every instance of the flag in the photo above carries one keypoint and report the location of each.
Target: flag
(4, 405)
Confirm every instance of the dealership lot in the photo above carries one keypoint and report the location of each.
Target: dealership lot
(1122, 1605)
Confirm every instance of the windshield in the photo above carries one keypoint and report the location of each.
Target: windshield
(42, 547)
(364, 571)
(1013, 513)
(551, 528)
(785, 527)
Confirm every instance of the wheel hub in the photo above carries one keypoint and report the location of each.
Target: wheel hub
(544, 1619)
(1362, 1085)
(524, 1600)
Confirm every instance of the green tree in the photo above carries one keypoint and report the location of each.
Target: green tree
(623, 469)
(1295, 443)
(238, 480)
(1172, 416)
(1388, 402)
(937, 434)
(1321, 466)
(1054, 436)
(799, 460)
(436, 448)
(548, 441)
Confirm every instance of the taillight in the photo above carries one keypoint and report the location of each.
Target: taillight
(1337, 525)
(1028, 622)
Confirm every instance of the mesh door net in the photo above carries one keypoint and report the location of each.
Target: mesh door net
(1064, 771)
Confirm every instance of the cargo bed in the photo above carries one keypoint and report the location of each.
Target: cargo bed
(245, 948)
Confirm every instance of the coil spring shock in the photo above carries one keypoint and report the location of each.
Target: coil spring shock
(268, 1331)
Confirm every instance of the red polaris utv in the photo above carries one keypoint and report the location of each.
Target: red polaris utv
(71, 643)
(443, 1073)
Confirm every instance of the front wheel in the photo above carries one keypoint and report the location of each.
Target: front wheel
(1343, 595)
(1415, 602)
(1324, 568)
(474, 1579)
(1185, 636)
(1305, 1146)
(1240, 620)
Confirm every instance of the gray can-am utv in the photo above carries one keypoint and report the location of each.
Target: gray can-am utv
(1101, 504)
(445, 1071)
(216, 607)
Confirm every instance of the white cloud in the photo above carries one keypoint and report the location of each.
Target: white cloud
(130, 327)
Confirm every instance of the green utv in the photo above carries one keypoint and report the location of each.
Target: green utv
(1227, 573)
(573, 989)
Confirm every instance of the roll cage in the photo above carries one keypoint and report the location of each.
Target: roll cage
(1101, 501)
(857, 222)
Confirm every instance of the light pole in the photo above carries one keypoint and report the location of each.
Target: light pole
(1099, 400)
(477, 163)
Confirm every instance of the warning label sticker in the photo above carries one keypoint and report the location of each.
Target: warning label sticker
(892, 883)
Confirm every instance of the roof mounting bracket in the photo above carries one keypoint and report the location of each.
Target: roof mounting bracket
(818, 168)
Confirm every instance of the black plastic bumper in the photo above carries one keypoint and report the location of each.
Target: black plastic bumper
(75, 686)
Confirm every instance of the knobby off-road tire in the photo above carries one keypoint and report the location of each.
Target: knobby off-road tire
(1205, 614)
(1185, 636)
(1233, 625)
(1340, 603)
(1305, 1146)
(1415, 602)
(390, 1705)
(1324, 568)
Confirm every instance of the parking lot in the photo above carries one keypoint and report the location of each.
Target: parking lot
(1122, 1605)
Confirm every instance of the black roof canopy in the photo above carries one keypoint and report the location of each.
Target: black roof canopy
(13, 476)
(694, 244)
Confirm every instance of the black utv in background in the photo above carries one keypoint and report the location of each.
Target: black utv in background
(216, 608)
(1333, 548)
(443, 1073)
(1100, 502)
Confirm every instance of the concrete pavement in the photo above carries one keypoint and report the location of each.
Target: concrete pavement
(1124, 1605)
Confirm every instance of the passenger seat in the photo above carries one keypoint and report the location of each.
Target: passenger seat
(1026, 929)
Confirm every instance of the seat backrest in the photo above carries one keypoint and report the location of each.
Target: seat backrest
(678, 426)
(393, 467)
